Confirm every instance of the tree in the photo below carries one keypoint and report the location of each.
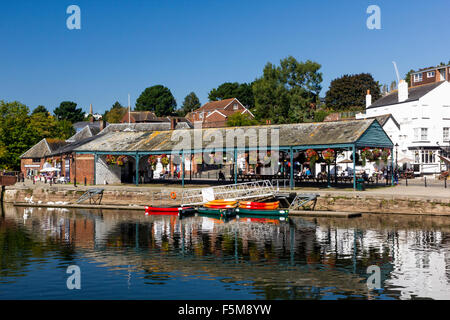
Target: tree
(63, 130)
(241, 91)
(288, 93)
(408, 77)
(40, 109)
(116, 113)
(393, 86)
(190, 103)
(68, 110)
(240, 119)
(16, 136)
(158, 99)
(348, 93)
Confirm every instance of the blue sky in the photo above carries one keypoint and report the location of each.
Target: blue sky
(125, 46)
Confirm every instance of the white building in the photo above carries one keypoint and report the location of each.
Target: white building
(423, 113)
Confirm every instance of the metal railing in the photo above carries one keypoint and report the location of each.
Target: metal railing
(239, 191)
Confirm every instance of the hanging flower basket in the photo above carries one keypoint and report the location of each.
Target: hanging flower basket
(328, 155)
(152, 161)
(385, 154)
(164, 160)
(366, 154)
(312, 156)
(376, 154)
(121, 160)
(110, 159)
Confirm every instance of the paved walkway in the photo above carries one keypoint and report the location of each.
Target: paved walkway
(415, 190)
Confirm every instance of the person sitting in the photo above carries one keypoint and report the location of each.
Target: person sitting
(308, 172)
(221, 176)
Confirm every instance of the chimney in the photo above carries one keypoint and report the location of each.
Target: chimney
(368, 99)
(90, 109)
(173, 123)
(102, 124)
(402, 91)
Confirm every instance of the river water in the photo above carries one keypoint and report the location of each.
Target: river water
(127, 255)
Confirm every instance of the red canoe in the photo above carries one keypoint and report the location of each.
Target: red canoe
(164, 210)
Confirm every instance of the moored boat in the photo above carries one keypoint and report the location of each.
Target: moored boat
(221, 212)
(262, 212)
(170, 210)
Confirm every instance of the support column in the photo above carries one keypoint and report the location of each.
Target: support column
(235, 166)
(95, 168)
(392, 166)
(137, 169)
(291, 174)
(182, 168)
(354, 167)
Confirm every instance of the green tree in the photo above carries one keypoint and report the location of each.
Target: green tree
(408, 77)
(289, 92)
(44, 125)
(190, 103)
(40, 109)
(116, 113)
(241, 91)
(68, 110)
(238, 120)
(348, 93)
(158, 99)
(63, 130)
(16, 136)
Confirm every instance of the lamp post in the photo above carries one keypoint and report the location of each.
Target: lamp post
(396, 156)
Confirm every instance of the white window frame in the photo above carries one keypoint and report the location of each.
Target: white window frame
(445, 133)
(423, 134)
(418, 77)
(235, 106)
(431, 74)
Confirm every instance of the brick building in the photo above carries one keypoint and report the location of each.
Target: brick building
(430, 75)
(214, 114)
(32, 161)
(150, 117)
(59, 154)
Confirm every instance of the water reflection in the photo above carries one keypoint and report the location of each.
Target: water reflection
(241, 258)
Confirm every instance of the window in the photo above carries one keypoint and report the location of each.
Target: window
(431, 74)
(423, 134)
(235, 106)
(36, 160)
(427, 156)
(418, 77)
(445, 133)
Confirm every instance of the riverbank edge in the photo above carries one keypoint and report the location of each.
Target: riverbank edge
(327, 202)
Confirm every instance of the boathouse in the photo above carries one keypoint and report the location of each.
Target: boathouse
(133, 146)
